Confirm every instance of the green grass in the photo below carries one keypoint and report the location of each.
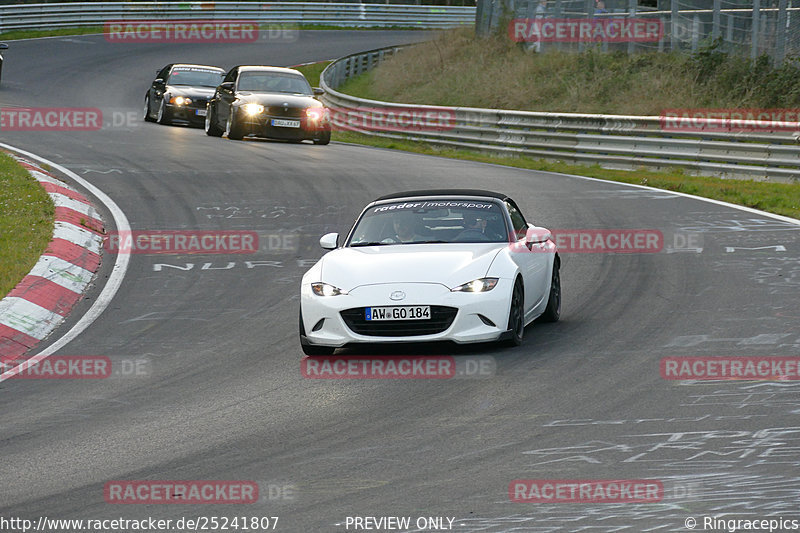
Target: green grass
(458, 69)
(313, 71)
(26, 222)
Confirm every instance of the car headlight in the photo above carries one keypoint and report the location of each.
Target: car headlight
(323, 289)
(253, 109)
(180, 100)
(477, 285)
(315, 113)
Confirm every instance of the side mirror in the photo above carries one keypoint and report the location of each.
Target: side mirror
(329, 241)
(3, 46)
(318, 91)
(537, 235)
(158, 81)
(226, 85)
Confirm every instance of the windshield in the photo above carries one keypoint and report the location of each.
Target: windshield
(271, 82)
(197, 77)
(430, 221)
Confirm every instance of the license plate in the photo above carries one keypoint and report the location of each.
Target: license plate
(285, 123)
(200, 112)
(408, 312)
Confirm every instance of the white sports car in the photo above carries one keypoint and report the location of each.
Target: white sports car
(420, 266)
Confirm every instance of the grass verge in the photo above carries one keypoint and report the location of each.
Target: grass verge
(26, 222)
(778, 198)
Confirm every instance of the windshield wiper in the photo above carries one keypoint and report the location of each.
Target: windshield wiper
(369, 243)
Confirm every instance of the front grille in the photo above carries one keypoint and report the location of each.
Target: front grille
(441, 319)
(280, 111)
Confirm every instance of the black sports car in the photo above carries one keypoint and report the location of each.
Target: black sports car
(271, 102)
(180, 93)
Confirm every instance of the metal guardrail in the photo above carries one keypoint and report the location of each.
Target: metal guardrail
(613, 141)
(67, 15)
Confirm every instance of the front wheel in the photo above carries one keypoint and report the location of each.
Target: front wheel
(164, 115)
(234, 130)
(211, 127)
(553, 310)
(516, 315)
(324, 138)
(147, 117)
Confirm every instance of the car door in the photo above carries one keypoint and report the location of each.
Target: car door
(532, 261)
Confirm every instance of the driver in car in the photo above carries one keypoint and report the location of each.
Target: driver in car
(474, 228)
(404, 228)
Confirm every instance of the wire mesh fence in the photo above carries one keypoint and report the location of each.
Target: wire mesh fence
(745, 27)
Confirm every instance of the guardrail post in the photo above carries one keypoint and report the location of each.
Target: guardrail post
(754, 29)
(781, 30)
(631, 14)
(673, 24)
(483, 15)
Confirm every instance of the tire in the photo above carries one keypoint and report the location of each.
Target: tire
(212, 130)
(147, 117)
(553, 310)
(233, 130)
(324, 139)
(310, 349)
(516, 315)
(164, 116)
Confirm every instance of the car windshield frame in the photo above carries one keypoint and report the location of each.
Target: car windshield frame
(435, 220)
(262, 88)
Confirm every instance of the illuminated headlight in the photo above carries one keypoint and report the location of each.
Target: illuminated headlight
(180, 100)
(323, 289)
(478, 285)
(315, 113)
(253, 109)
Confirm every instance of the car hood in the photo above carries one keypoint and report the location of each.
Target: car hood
(191, 91)
(277, 99)
(448, 264)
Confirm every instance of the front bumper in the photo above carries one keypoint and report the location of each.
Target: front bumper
(194, 113)
(325, 325)
(261, 126)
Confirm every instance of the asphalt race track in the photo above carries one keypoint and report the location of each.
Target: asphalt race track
(223, 398)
